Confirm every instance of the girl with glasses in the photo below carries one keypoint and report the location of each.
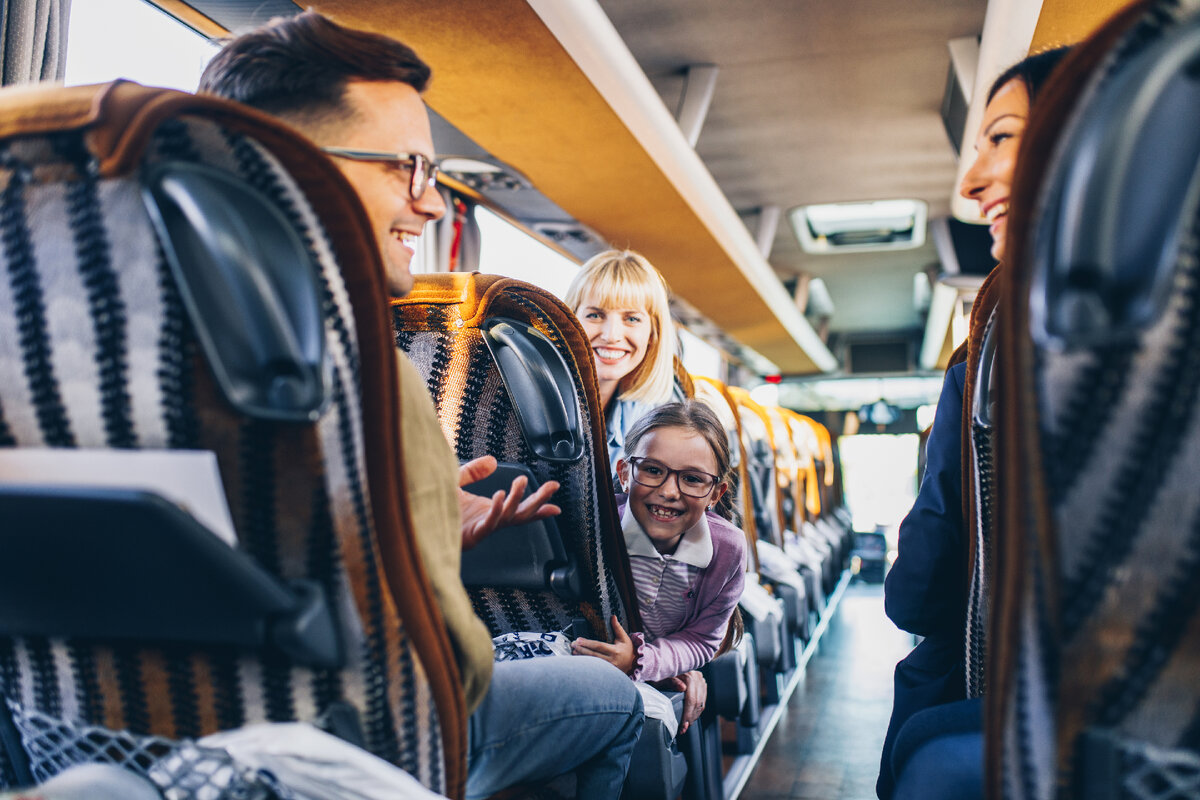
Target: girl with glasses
(688, 562)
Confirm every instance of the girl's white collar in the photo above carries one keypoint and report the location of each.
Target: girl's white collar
(695, 548)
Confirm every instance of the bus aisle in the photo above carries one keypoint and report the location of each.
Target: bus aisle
(827, 745)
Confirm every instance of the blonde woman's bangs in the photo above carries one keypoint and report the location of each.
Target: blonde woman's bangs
(619, 280)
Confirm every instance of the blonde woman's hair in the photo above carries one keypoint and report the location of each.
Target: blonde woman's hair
(625, 279)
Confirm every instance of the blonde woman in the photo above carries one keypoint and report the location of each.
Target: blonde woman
(621, 300)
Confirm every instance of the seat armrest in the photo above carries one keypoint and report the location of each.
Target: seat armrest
(529, 556)
(726, 678)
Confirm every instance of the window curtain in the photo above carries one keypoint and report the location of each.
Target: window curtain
(452, 244)
(467, 239)
(33, 38)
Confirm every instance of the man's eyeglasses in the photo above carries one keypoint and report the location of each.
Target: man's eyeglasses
(422, 170)
(691, 482)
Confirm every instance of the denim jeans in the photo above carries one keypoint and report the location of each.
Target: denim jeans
(544, 717)
(945, 768)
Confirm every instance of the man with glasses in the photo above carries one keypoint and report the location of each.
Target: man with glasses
(358, 96)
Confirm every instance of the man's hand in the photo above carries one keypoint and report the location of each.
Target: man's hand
(695, 695)
(620, 654)
(481, 516)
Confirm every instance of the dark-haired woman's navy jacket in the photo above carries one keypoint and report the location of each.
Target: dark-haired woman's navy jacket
(926, 589)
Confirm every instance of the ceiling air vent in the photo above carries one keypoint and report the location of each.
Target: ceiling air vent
(965, 251)
(860, 227)
(881, 355)
(484, 176)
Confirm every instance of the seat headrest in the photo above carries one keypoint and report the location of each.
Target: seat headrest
(1122, 191)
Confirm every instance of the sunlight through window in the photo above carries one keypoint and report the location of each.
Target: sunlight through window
(509, 251)
(880, 477)
(110, 39)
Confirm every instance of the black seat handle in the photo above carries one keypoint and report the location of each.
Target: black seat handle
(540, 386)
(250, 286)
(983, 405)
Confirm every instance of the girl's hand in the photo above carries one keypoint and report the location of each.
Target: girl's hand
(620, 654)
(695, 695)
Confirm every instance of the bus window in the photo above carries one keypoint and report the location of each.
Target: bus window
(699, 357)
(132, 39)
(880, 480)
(506, 250)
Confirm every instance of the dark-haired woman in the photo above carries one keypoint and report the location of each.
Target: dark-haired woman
(926, 589)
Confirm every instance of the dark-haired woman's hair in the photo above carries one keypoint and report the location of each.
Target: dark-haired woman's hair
(297, 67)
(694, 416)
(1032, 70)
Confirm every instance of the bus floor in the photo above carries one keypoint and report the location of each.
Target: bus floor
(827, 745)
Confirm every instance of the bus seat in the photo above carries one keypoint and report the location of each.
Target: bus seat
(814, 559)
(766, 622)
(446, 325)
(729, 675)
(687, 766)
(727, 684)
(789, 585)
(702, 749)
(100, 350)
(658, 769)
(1092, 678)
(938, 753)
(830, 541)
(748, 719)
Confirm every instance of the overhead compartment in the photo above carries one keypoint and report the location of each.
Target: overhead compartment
(550, 88)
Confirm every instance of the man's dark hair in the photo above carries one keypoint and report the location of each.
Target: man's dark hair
(297, 67)
(1032, 70)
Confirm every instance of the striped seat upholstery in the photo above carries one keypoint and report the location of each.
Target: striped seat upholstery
(979, 476)
(97, 351)
(1094, 649)
(438, 326)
